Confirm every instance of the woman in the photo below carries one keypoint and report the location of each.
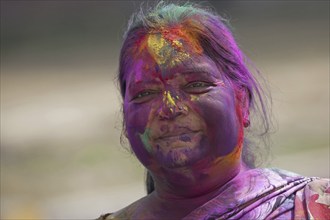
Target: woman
(187, 98)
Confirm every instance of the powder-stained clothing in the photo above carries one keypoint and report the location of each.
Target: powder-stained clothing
(266, 194)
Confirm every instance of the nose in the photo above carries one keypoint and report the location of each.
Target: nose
(171, 107)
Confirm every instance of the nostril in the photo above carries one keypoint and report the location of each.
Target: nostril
(164, 113)
(169, 113)
(171, 106)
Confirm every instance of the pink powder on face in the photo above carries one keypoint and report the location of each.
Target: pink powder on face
(139, 67)
(215, 109)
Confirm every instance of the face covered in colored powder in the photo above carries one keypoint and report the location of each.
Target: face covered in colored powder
(179, 109)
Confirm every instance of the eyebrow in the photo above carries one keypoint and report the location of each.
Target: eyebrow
(198, 69)
(143, 83)
(195, 70)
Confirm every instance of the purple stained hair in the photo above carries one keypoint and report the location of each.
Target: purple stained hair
(214, 36)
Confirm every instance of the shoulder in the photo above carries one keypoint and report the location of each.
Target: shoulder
(285, 174)
(125, 213)
(132, 211)
(310, 195)
(105, 216)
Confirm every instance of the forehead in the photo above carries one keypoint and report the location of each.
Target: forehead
(170, 47)
(165, 52)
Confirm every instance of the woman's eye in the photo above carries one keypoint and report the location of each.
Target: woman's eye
(198, 87)
(197, 84)
(144, 95)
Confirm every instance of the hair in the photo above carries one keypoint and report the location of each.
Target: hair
(214, 36)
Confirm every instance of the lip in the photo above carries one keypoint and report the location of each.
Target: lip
(177, 134)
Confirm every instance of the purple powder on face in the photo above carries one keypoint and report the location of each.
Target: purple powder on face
(185, 138)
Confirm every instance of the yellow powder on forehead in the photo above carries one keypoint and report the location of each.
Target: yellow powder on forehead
(170, 47)
(165, 52)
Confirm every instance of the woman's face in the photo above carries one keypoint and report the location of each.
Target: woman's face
(179, 110)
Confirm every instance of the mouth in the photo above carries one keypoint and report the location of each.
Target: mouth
(182, 136)
(177, 135)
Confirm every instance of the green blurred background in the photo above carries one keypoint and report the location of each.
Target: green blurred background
(61, 157)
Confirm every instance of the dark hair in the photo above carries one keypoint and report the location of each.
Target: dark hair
(214, 36)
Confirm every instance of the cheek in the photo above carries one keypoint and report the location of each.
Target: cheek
(219, 112)
(136, 120)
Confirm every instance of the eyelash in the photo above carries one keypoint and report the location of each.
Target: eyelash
(198, 87)
(143, 94)
(201, 84)
(192, 87)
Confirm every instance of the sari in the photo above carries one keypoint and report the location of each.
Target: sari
(266, 194)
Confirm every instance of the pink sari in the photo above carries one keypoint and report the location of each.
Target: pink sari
(266, 194)
(269, 194)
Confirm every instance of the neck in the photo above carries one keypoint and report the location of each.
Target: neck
(184, 196)
(198, 182)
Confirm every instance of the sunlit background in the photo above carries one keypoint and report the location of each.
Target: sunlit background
(61, 157)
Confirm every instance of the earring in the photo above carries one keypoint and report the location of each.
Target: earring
(246, 123)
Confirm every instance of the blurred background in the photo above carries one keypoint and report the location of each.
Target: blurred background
(61, 156)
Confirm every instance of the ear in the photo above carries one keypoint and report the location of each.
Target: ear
(243, 97)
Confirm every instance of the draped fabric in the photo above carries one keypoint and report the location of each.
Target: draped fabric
(267, 194)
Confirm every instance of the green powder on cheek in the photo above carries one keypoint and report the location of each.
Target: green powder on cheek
(145, 139)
